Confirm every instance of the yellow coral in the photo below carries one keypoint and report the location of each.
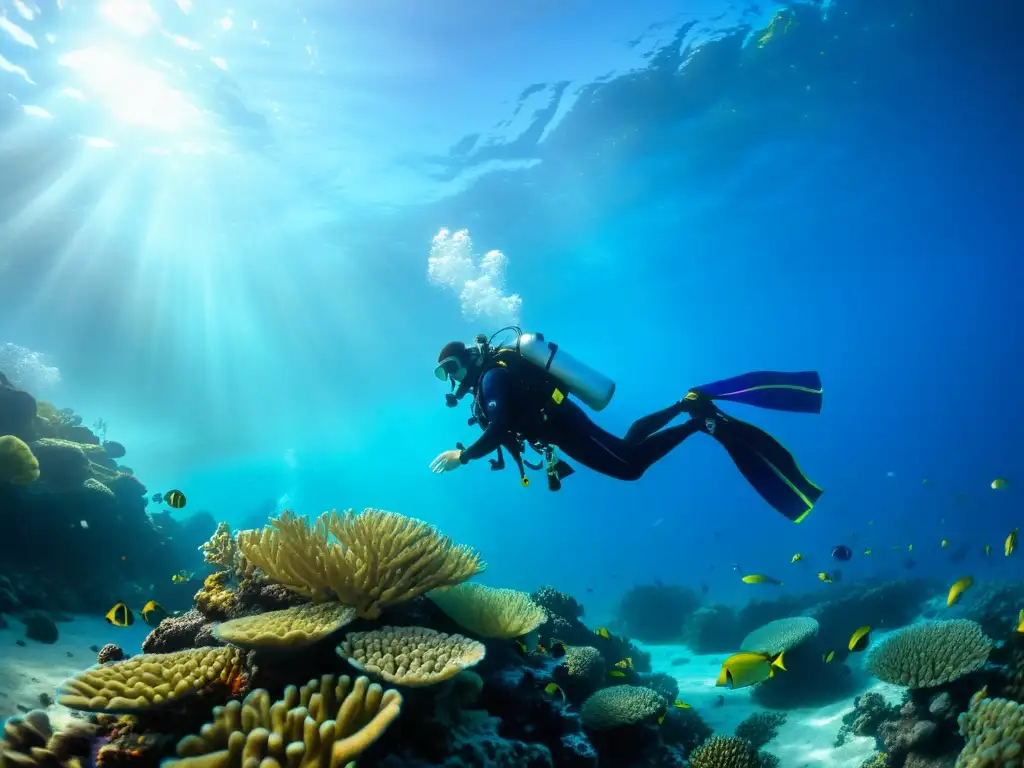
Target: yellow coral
(150, 680)
(582, 661)
(221, 549)
(724, 752)
(325, 724)
(30, 741)
(369, 560)
(780, 635)
(411, 656)
(216, 599)
(994, 729)
(620, 705)
(18, 465)
(489, 612)
(288, 628)
(930, 654)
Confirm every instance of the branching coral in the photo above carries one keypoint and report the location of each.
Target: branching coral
(150, 680)
(18, 465)
(221, 550)
(780, 635)
(620, 705)
(725, 752)
(926, 655)
(760, 728)
(325, 724)
(369, 560)
(288, 628)
(489, 612)
(411, 656)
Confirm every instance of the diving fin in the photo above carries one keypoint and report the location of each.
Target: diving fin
(795, 392)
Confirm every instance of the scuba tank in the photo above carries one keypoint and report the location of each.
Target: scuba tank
(594, 389)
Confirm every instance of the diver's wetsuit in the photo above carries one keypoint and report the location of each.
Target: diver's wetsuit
(570, 429)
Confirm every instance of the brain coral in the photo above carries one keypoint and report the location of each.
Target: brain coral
(17, 463)
(930, 654)
(488, 611)
(724, 752)
(620, 705)
(780, 635)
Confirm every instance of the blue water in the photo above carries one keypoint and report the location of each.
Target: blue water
(216, 225)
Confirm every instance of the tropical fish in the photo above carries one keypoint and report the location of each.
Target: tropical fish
(153, 613)
(680, 704)
(1011, 543)
(760, 578)
(157, 498)
(744, 669)
(842, 552)
(999, 484)
(945, 543)
(603, 632)
(626, 663)
(552, 688)
(988, 549)
(825, 577)
(910, 547)
(182, 577)
(867, 551)
(174, 499)
(120, 615)
(959, 587)
(828, 656)
(860, 638)
(616, 673)
(1020, 621)
(796, 558)
(662, 715)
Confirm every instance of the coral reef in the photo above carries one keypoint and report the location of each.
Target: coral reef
(18, 465)
(410, 656)
(109, 652)
(760, 728)
(656, 613)
(489, 612)
(869, 712)
(780, 635)
(725, 752)
(31, 742)
(621, 705)
(930, 654)
(288, 628)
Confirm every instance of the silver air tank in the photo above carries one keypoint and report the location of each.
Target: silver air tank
(594, 389)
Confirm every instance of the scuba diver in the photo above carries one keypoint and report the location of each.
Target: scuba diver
(521, 398)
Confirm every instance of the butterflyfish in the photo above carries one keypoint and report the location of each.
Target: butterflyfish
(859, 639)
(120, 616)
(744, 669)
(174, 499)
(956, 591)
(603, 632)
(153, 613)
(825, 577)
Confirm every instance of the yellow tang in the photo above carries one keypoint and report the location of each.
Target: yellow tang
(602, 632)
(120, 616)
(1011, 543)
(744, 669)
(553, 688)
(828, 656)
(175, 499)
(860, 638)
(822, 576)
(796, 558)
(680, 704)
(999, 484)
(1020, 621)
(760, 578)
(959, 587)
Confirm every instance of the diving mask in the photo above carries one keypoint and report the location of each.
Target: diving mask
(450, 367)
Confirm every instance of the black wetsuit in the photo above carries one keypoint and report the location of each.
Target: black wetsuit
(567, 427)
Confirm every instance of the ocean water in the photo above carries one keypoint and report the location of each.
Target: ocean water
(230, 231)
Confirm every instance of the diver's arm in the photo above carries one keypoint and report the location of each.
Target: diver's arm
(493, 394)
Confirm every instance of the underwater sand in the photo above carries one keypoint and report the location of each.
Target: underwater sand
(26, 672)
(808, 735)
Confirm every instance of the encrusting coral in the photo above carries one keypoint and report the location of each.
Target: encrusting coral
(18, 465)
(288, 628)
(780, 635)
(410, 656)
(620, 705)
(994, 729)
(930, 654)
(488, 611)
(325, 724)
(150, 681)
(31, 742)
(376, 558)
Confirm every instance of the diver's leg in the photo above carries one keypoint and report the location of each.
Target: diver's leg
(800, 392)
(647, 425)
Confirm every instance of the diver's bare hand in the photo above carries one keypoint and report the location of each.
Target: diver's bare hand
(446, 462)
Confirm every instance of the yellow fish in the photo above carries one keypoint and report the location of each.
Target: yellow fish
(181, 577)
(959, 587)
(616, 673)
(867, 551)
(662, 715)
(796, 558)
(744, 669)
(1011, 543)
(522, 646)
(999, 484)
(910, 547)
(760, 578)
(945, 543)
(859, 639)
(626, 663)
(153, 613)
(822, 576)
(603, 632)
(1020, 621)
(988, 549)
(120, 616)
(552, 688)
(828, 656)
(680, 704)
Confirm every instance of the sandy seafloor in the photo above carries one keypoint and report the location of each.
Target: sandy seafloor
(805, 741)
